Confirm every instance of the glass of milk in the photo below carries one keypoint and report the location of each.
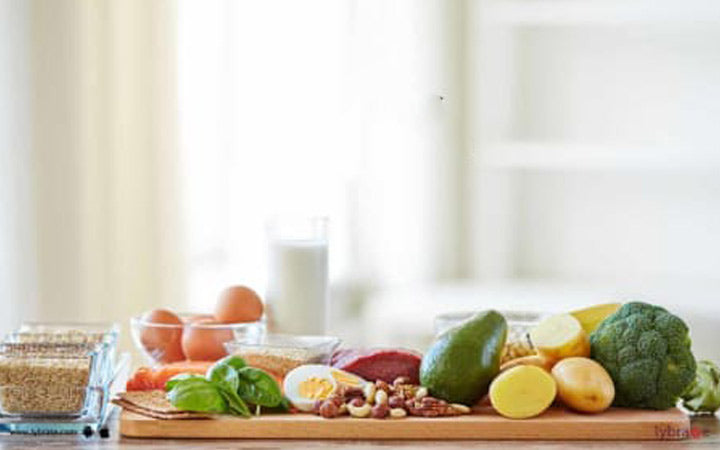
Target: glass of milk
(297, 286)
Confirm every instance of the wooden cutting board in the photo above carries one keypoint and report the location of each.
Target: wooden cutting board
(555, 424)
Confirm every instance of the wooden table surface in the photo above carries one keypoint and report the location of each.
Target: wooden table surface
(706, 429)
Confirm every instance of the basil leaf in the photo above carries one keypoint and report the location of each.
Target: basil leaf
(224, 375)
(170, 384)
(236, 405)
(233, 361)
(197, 394)
(259, 388)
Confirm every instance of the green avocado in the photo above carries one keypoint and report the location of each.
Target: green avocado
(462, 361)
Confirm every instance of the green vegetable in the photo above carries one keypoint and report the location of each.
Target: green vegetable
(236, 405)
(646, 351)
(703, 396)
(462, 362)
(233, 361)
(259, 388)
(180, 377)
(224, 375)
(227, 387)
(197, 394)
(222, 378)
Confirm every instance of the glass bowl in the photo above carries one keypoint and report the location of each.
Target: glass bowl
(168, 343)
(278, 354)
(39, 380)
(519, 322)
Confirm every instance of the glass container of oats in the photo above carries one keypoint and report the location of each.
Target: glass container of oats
(48, 375)
(278, 354)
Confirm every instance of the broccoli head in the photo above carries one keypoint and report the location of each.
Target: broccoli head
(646, 351)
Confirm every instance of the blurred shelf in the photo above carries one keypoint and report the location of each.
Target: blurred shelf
(600, 12)
(548, 156)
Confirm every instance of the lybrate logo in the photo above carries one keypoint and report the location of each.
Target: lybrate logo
(669, 432)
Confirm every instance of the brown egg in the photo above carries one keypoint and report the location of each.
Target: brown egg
(197, 317)
(238, 304)
(204, 343)
(163, 343)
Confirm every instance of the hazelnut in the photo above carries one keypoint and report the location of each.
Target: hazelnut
(380, 384)
(357, 402)
(379, 411)
(396, 401)
(329, 409)
(353, 392)
(337, 399)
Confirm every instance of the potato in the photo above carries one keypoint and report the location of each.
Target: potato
(583, 384)
(531, 360)
(560, 336)
(522, 392)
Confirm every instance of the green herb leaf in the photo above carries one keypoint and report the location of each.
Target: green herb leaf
(170, 384)
(197, 394)
(236, 405)
(258, 387)
(233, 361)
(225, 375)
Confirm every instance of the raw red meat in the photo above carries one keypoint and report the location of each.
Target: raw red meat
(379, 364)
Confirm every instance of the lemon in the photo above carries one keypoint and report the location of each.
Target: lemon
(591, 317)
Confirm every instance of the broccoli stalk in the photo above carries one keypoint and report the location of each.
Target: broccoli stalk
(646, 351)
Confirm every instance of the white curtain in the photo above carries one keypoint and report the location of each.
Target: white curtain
(92, 228)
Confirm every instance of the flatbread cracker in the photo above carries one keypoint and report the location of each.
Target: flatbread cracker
(154, 404)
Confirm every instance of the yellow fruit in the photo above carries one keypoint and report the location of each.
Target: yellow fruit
(583, 385)
(591, 317)
(522, 392)
(559, 337)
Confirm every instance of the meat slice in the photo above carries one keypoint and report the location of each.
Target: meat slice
(379, 364)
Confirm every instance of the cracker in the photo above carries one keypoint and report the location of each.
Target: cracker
(181, 415)
(154, 404)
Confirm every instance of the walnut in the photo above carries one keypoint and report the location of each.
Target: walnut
(430, 407)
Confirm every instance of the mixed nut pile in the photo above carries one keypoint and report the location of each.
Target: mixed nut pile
(381, 400)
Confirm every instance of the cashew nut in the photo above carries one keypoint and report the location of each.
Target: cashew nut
(462, 409)
(369, 392)
(359, 411)
(397, 413)
(381, 397)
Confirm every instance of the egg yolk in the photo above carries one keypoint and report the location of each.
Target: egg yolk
(315, 388)
(346, 378)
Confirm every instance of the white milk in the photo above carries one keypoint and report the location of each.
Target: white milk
(297, 286)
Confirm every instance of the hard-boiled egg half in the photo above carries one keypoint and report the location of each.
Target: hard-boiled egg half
(304, 385)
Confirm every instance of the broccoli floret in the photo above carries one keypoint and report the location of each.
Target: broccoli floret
(646, 351)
